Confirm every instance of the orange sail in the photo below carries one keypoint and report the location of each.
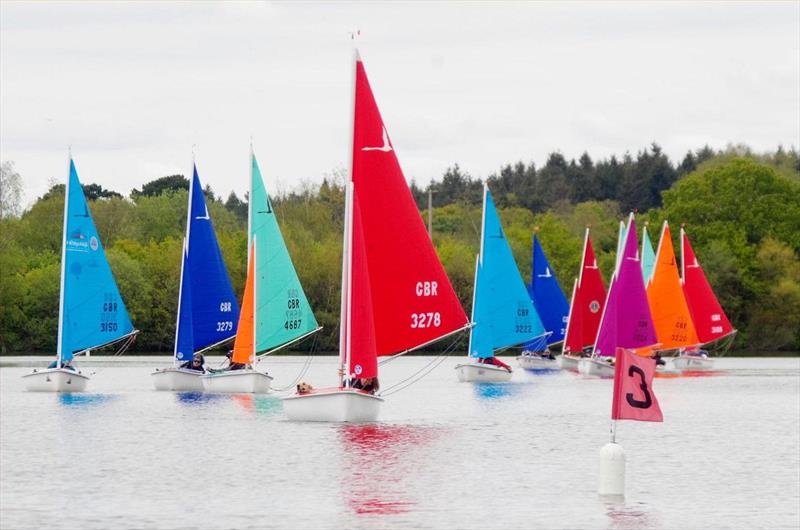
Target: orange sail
(243, 350)
(671, 317)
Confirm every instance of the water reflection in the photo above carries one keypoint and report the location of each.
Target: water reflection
(83, 400)
(623, 517)
(195, 398)
(378, 460)
(494, 390)
(266, 405)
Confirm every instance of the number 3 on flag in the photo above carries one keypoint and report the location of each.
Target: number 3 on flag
(634, 398)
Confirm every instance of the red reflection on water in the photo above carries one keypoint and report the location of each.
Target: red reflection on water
(377, 463)
(690, 373)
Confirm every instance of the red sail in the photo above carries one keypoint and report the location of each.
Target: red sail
(709, 319)
(413, 302)
(588, 301)
(363, 358)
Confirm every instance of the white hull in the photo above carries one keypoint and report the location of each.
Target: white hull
(482, 373)
(690, 363)
(537, 362)
(236, 382)
(595, 368)
(179, 379)
(568, 362)
(333, 405)
(55, 380)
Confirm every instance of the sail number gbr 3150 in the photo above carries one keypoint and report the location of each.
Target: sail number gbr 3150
(428, 319)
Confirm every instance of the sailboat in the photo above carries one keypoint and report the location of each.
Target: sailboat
(553, 310)
(502, 310)
(626, 320)
(396, 296)
(710, 321)
(585, 310)
(671, 318)
(648, 256)
(275, 309)
(207, 308)
(91, 312)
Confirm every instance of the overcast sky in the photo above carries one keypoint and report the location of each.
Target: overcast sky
(133, 86)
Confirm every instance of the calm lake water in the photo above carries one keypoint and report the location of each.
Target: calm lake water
(445, 454)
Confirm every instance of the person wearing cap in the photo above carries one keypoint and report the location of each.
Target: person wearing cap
(197, 363)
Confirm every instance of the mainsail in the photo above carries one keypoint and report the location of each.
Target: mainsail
(92, 312)
(671, 318)
(395, 294)
(548, 298)
(626, 320)
(503, 312)
(213, 305)
(588, 300)
(710, 321)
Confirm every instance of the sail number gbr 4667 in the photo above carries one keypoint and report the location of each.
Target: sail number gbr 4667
(431, 319)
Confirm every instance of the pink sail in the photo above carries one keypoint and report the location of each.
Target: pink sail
(626, 321)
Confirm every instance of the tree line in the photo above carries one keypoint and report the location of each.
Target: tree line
(741, 210)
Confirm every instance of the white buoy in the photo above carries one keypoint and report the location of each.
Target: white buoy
(612, 469)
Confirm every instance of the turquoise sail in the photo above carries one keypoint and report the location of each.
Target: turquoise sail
(92, 312)
(623, 233)
(282, 312)
(502, 311)
(648, 257)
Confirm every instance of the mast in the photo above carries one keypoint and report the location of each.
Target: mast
(60, 345)
(564, 345)
(255, 299)
(347, 260)
(251, 252)
(184, 254)
(474, 297)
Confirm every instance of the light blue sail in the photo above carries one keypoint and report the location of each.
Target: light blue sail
(214, 309)
(648, 256)
(92, 312)
(548, 299)
(502, 311)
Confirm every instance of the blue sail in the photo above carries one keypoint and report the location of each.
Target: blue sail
(92, 312)
(184, 335)
(548, 299)
(502, 311)
(215, 311)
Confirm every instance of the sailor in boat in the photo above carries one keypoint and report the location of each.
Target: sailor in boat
(67, 365)
(197, 363)
(494, 361)
(369, 385)
(230, 366)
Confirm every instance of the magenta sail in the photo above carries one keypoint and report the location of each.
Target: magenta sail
(626, 321)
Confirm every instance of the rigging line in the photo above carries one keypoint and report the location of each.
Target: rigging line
(305, 368)
(425, 370)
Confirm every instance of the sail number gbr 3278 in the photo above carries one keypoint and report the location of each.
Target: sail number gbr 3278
(429, 319)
